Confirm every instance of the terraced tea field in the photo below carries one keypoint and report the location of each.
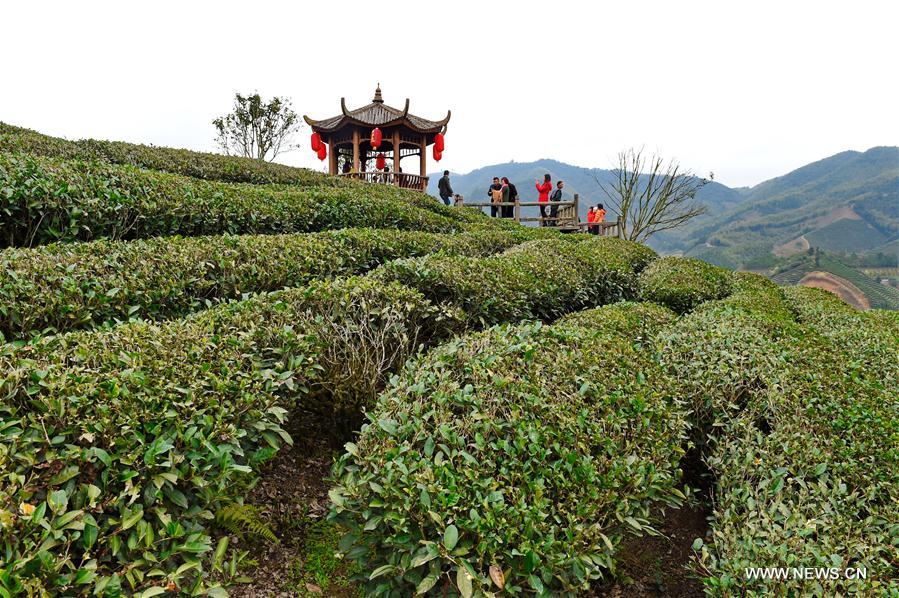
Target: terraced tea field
(221, 376)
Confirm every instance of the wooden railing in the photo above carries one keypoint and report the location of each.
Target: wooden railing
(567, 217)
(400, 179)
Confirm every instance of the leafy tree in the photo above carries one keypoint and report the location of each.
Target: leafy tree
(652, 195)
(257, 129)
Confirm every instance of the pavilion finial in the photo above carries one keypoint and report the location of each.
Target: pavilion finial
(378, 97)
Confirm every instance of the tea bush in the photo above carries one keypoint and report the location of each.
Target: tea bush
(536, 280)
(515, 459)
(117, 446)
(76, 285)
(683, 283)
(45, 200)
(803, 438)
(214, 167)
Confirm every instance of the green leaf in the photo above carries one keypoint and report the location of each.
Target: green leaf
(424, 555)
(382, 570)
(388, 425)
(89, 536)
(131, 518)
(220, 549)
(64, 476)
(426, 584)
(463, 582)
(58, 500)
(450, 537)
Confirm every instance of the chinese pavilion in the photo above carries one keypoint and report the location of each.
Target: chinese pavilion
(363, 136)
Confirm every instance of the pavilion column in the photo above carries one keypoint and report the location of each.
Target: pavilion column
(396, 156)
(332, 158)
(356, 151)
(423, 158)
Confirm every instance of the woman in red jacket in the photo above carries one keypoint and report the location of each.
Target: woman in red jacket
(544, 190)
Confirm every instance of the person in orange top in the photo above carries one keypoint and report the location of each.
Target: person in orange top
(544, 190)
(600, 216)
(591, 218)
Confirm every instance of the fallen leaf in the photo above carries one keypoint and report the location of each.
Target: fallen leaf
(496, 574)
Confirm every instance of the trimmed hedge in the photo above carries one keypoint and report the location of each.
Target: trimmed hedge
(535, 280)
(214, 167)
(803, 438)
(513, 460)
(172, 418)
(118, 446)
(45, 200)
(78, 285)
(683, 283)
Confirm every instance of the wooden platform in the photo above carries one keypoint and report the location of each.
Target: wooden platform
(567, 219)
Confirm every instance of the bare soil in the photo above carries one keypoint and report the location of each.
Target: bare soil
(293, 500)
(793, 247)
(659, 565)
(837, 285)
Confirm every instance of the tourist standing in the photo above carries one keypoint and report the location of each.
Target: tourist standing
(591, 218)
(543, 189)
(509, 211)
(495, 193)
(444, 188)
(554, 209)
(600, 217)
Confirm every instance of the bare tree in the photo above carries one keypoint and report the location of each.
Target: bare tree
(257, 129)
(652, 195)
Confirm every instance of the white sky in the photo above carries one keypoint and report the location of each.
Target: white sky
(749, 90)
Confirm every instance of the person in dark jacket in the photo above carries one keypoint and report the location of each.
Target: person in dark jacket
(554, 209)
(444, 188)
(509, 211)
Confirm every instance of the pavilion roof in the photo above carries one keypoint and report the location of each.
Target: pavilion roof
(378, 114)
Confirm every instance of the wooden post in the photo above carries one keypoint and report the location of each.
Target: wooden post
(356, 151)
(577, 216)
(396, 156)
(423, 158)
(332, 158)
(517, 211)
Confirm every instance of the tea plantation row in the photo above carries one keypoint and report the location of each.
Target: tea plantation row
(47, 199)
(121, 444)
(79, 285)
(492, 436)
(213, 167)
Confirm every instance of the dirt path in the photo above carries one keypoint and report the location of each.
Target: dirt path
(840, 287)
(793, 247)
(292, 498)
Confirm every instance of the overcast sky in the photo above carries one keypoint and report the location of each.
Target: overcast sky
(749, 90)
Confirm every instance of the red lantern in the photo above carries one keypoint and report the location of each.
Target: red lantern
(380, 161)
(376, 138)
(322, 151)
(316, 142)
(437, 155)
(438, 142)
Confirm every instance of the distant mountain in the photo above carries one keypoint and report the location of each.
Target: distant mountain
(847, 203)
